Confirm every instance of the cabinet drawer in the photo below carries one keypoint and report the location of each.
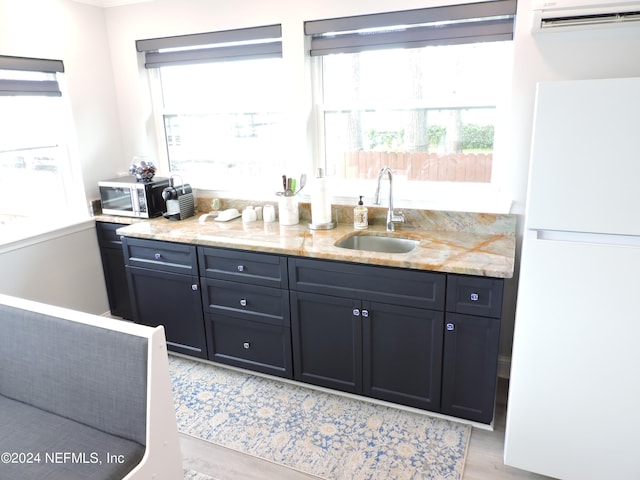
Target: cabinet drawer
(252, 345)
(246, 267)
(107, 236)
(251, 302)
(474, 295)
(159, 255)
(414, 288)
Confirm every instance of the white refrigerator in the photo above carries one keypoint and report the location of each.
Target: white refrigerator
(574, 396)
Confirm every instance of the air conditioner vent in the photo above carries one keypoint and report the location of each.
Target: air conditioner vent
(587, 20)
(561, 15)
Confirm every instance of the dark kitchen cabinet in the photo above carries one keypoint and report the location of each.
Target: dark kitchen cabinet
(327, 341)
(353, 341)
(402, 351)
(471, 347)
(165, 290)
(423, 339)
(246, 303)
(115, 275)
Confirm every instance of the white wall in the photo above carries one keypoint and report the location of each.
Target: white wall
(62, 269)
(65, 270)
(76, 34)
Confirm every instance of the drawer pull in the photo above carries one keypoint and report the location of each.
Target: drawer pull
(194, 287)
(365, 313)
(243, 302)
(450, 327)
(474, 297)
(241, 268)
(157, 256)
(356, 312)
(246, 345)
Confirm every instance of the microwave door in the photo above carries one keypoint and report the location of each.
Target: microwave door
(116, 199)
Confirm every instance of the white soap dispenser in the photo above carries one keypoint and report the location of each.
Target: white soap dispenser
(360, 216)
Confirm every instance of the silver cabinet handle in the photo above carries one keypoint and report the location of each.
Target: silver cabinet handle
(365, 313)
(157, 256)
(474, 297)
(241, 268)
(246, 345)
(356, 312)
(450, 327)
(243, 302)
(194, 287)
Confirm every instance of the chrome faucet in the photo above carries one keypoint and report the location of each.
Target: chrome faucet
(392, 217)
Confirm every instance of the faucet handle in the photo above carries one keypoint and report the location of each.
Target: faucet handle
(398, 217)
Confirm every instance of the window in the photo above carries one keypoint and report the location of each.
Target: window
(220, 100)
(35, 167)
(419, 91)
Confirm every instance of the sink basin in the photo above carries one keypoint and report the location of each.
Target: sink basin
(376, 243)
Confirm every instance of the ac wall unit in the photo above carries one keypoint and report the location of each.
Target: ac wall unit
(561, 15)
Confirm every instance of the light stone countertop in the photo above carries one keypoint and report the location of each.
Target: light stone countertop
(453, 242)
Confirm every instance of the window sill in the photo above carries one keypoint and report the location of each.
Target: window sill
(18, 235)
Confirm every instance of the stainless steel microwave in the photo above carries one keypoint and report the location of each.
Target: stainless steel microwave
(130, 198)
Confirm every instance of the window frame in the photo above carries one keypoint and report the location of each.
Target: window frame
(219, 46)
(490, 197)
(458, 196)
(485, 197)
(40, 224)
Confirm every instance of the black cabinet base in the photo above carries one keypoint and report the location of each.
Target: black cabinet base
(425, 340)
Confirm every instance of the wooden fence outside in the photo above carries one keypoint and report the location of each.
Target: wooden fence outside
(419, 166)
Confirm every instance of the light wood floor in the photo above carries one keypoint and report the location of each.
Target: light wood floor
(484, 458)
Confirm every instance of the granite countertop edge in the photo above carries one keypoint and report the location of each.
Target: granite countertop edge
(469, 244)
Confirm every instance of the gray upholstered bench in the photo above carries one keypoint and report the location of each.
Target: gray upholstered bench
(83, 397)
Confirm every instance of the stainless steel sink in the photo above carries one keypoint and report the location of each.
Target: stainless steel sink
(376, 243)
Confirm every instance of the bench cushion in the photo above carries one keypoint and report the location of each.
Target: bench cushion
(95, 376)
(60, 448)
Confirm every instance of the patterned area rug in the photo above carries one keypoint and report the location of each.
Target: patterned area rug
(193, 475)
(326, 435)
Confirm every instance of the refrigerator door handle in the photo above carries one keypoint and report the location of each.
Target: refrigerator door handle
(584, 237)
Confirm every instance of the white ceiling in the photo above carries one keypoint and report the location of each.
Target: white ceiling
(110, 3)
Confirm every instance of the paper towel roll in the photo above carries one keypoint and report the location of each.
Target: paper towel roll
(321, 201)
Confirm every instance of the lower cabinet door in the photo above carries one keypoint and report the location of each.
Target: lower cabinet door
(402, 351)
(252, 345)
(115, 276)
(470, 364)
(172, 300)
(326, 335)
